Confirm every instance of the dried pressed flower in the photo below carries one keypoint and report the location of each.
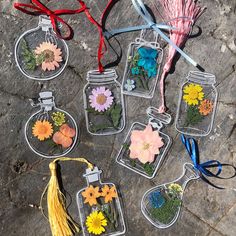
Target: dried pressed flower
(193, 94)
(205, 107)
(58, 118)
(42, 129)
(145, 144)
(95, 223)
(91, 194)
(109, 193)
(51, 55)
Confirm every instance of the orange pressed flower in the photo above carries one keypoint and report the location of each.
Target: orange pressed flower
(42, 129)
(205, 107)
(51, 55)
(109, 193)
(91, 194)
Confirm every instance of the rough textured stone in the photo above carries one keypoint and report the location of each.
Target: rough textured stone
(206, 211)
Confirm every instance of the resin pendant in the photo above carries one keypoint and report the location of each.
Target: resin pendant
(197, 104)
(161, 205)
(39, 53)
(50, 132)
(99, 207)
(103, 103)
(142, 68)
(145, 146)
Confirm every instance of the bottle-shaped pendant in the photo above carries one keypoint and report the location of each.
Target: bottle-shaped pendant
(99, 207)
(142, 68)
(39, 53)
(103, 103)
(145, 146)
(161, 205)
(50, 132)
(197, 104)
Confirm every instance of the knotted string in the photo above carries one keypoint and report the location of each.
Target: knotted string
(37, 8)
(203, 168)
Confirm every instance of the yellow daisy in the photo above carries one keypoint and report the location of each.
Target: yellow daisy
(95, 223)
(193, 94)
(42, 129)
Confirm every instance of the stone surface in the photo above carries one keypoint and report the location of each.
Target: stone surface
(206, 211)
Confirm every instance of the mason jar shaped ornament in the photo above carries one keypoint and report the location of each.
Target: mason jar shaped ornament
(103, 103)
(50, 132)
(142, 68)
(197, 104)
(39, 53)
(99, 207)
(145, 146)
(161, 205)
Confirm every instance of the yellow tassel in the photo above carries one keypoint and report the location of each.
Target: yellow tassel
(60, 222)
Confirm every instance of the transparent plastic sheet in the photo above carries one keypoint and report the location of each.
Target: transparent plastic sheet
(161, 205)
(30, 63)
(115, 224)
(64, 129)
(197, 120)
(111, 119)
(141, 81)
(148, 169)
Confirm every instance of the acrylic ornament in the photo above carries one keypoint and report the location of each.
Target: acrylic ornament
(99, 207)
(39, 53)
(197, 104)
(103, 103)
(145, 146)
(161, 205)
(142, 68)
(50, 132)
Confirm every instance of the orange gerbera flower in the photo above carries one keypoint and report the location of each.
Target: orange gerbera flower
(109, 193)
(205, 107)
(42, 129)
(91, 194)
(51, 55)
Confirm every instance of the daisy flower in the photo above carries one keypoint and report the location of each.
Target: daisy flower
(193, 94)
(101, 99)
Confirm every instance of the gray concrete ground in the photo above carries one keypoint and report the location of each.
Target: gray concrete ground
(23, 175)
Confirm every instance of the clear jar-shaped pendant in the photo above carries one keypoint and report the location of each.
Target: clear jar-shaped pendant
(50, 132)
(99, 207)
(39, 53)
(161, 205)
(145, 146)
(197, 104)
(142, 68)
(103, 103)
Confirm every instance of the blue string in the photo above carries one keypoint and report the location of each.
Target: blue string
(203, 168)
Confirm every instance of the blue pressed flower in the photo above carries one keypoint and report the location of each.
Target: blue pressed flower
(156, 199)
(135, 71)
(130, 85)
(152, 72)
(148, 52)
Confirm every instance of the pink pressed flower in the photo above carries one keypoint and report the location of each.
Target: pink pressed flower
(145, 144)
(101, 99)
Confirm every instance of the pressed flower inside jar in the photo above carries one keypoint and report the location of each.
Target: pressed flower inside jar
(42, 129)
(91, 194)
(205, 107)
(145, 144)
(50, 55)
(193, 94)
(101, 99)
(96, 223)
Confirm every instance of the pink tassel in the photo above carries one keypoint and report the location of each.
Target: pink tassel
(181, 14)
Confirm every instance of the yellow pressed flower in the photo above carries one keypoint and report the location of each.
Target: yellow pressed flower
(42, 129)
(95, 223)
(193, 94)
(175, 188)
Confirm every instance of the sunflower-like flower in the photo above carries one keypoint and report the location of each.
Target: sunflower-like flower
(58, 118)
(51, 55)
(205, 107)
(193, 94)
(109, 193)
(91, 194)
(96, 222)
(42, 129)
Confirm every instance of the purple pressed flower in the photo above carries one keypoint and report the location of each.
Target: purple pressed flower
(101, 99)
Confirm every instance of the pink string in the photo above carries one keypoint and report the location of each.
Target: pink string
(175, 9)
